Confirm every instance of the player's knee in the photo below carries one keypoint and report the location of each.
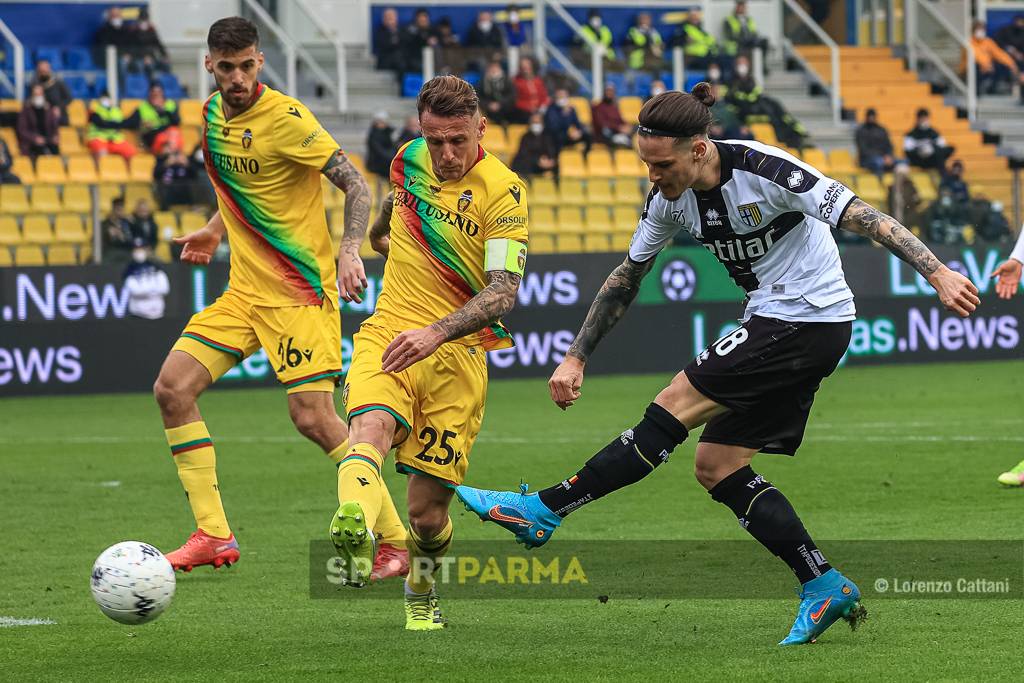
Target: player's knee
(171, 396)
(427, 520)
(309, 423)
(707, 472)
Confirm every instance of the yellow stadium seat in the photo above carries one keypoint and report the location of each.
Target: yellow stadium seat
(69, 229)
(570, 219)
(569, 244)
(192, 221)
(514, 134)
(870, 189)
(29, 255)
(596, 242)
(128, 106)
(542, 244)
(627, 191)
(621, 240)
(842, 163)
(189, 138)
(542, 219)
(162, 252)
(77, 198)
(816, 158)
(77, 116)
(82, 169)
(45, 199)
(61, 255)
(9, 232)
(50, 169)
(336, 223)
(166, 223)
(112, 169)
(571, 164)
(764, 132)
(134, 192)
(14, 199)
(625, 218)
(628, 164)
(597, 219)
(22, 167)
(11, 138)
(36, 230)
(108, 192)
(570, 192)
(599, 192)
(496, 142)
(140, 168)
(543, 191)
(191, 112)
(582, 107)
(5, 257)
(70, 143)
(630, 108)
(600, 163)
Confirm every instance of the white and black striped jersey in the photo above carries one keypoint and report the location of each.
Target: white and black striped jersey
(768, 223)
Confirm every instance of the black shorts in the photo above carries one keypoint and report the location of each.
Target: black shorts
(766, 373)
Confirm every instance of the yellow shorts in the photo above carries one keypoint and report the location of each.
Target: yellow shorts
(303, 343)
(438, 402)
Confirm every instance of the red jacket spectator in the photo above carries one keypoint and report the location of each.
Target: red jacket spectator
(531, 93)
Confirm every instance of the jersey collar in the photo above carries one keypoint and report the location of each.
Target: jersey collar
(260, 89)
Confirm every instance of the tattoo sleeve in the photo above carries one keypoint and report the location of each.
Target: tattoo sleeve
(347, 178)
(614, 297)
(864, 219)
(486, 307)
(382, 225)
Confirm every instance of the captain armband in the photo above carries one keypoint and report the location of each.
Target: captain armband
(505, 254)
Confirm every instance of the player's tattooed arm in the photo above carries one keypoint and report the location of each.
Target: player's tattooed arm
(957, 293)
(347, 178)
(485, 308)
(614, 297)
(380, 231)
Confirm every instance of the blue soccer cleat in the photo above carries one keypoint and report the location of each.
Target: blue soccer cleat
(823, 601)
(521, 513)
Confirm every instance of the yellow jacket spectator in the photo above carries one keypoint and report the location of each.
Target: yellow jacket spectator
(597, 32)
(104, 136)
(740, 33)
(644, 44)
(158, 120)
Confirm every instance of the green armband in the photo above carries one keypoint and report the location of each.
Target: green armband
(505, 254)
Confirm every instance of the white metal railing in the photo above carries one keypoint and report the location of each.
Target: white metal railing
(678, 68)
(834, 87)
(338, 87)
(113, 84)
(916, 47)
(19, 62)
(597, 50)
(291, 71)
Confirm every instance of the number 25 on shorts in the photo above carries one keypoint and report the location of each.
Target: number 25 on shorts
(430, 438)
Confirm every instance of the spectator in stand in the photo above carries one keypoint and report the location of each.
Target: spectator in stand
(749, 100)
(953, 183)
(594, 31)
(380, 147)
(516, 34)
(158, 120)
(657, 87)
(6, 177)
(105, 135)
(484, 34)
(417, 35)
(387, 42)
(741, 36)
(715, 76)
(644, 47)
(924, 146)
(699, 46)
(112, 32)
(946, 220)
(563, 124)
(497, 94)
(175, 179)
(54, 88)
(874, 148)
(609, 126)
(147, 285)
(451, 55)
(38, 125)
(146, 53)
(1011, 39)
(531, 94)
(116, 229)
(904, 199)
(410, 131)
(992, 225)
(996, 70)
(538, 153)
(144, 227)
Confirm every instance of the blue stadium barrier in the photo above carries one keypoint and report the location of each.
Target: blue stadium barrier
(136, 86)
(79, 86)
(52, 55)
(411, 84)
(78, 59)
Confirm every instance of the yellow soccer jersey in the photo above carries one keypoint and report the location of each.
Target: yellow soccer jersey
(439, 232)
(265, 166)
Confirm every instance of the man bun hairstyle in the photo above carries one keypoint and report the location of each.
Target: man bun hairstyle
(232, 34)
(447, 96)
(674, 114)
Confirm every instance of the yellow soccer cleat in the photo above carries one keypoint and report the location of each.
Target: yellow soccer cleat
(422, 612)
(1014, 477)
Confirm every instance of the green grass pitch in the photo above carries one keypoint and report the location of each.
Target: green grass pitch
(891, 453)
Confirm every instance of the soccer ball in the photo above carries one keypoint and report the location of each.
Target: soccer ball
(132, 582)
(678, 280)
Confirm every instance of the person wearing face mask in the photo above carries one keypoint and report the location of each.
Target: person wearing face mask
(516, 34)
(609, 126)
(484, 34)
(954, 183)
(593, 32)
(105, 134)
(116, 232)
(563, 124)
(531, 93)
(657, 87)
(144, 227)
(874, 148)
(924, 146)
(146, 52)
(741, 36)
(538, 153)
(644, 46)
(991, 224)
(146, 283)
(497, 94)
(945, 220)
(387, 42)
(54, 88)
(158, 120)
(175, 178)
(112, 32)
(996, 70)
(1011, 39)
(699, 47)
(38, 127)
(749, 100)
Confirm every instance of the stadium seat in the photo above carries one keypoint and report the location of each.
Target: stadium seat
(140, 168)
(599, 192)
(112, 169)
(107, 192)
(166, 223)
(597, 219)
(82, 169)
(600, 163)
(543, 192)
(22, 167)
(542, 220)
(596, 242)
(189, 138)
(816, 158)
(129, 104)
(36, 230)
(5, 257)
(926, 187)
(77, 198)
(9, 232)
(136, 86)
(628, 164)
(52, 55)
(330, 196)
(630, 107)
(842, 163)
(29, 255)
(11, 138)
(627, 191)
(582, 107)
(191, 113)
(133, 192)
(50, 169)
(61, 255)
(571, 164)
(764, 132)
(496, 142)
(870, 189)
(569, 244)
(69, 229)
(70, 143)
(620, 240)
(542, 244)
(625, 218)
(14, 199)
(77, 116)
(570, 219)
(172, 88)
(570, 192)
(45, 199)
(411, 84)
(78, 59)
(192, 221)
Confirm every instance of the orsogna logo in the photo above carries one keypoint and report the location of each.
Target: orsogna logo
(678, 280)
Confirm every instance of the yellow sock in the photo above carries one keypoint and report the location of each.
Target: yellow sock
(194, 456)
(338, 454)
(359, 480)
(423, 557)
(389, 527)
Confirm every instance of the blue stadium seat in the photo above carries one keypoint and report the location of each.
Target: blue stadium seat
(642, 84)
(136, 86)
(411, 84)
(172, 89)
(78, 59)
(52, 55)
(99, 84)
(79, 87)
(622, 88)
(472, 77)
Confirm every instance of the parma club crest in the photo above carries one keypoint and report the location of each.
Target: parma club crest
(750, 214)
(465, 199)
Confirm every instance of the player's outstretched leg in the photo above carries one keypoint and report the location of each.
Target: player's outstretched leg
(826, 595)
(630, 457)
(430, 536)
(359, 496)
(1014, 477)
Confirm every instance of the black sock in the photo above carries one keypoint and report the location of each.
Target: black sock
(626, 460)
(766, 514)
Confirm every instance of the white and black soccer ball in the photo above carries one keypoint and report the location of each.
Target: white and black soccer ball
(678, 280)
(132, 582)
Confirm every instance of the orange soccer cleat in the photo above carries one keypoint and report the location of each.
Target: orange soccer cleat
(201, 549)
(390, 561)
